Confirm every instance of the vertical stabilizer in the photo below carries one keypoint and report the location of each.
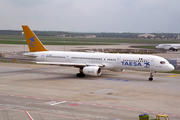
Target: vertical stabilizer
(33, 42)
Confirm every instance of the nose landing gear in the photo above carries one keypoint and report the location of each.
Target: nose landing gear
(151, 75)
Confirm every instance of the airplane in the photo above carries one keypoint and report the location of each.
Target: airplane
(173, 47)
(92, 63)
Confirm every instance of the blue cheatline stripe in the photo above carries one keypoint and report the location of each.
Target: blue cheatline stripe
(109, 79)
(126, 80)
(117, 79)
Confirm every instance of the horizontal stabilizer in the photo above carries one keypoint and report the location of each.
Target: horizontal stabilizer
(30, 54)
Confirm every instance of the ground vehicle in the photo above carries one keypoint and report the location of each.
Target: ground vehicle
(158, 116)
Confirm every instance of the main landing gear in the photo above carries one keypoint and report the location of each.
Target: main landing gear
(151, 76)
(80, 74)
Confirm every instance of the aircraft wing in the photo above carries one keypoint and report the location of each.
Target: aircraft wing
(71, 64)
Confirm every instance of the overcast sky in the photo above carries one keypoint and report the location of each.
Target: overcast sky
(144, 16)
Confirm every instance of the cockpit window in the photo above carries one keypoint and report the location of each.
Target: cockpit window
(162, 62)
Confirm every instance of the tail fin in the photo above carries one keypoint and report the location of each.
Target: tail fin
(33, 42)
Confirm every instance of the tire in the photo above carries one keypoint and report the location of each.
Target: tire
(80, 75)
(150, 79)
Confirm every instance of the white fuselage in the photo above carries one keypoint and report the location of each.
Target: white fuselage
(168, 46)
(115, 62)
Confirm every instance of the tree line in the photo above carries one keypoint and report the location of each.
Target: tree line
(79, 34)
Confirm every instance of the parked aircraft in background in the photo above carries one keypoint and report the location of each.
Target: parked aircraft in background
(92, 63)
(173, 47)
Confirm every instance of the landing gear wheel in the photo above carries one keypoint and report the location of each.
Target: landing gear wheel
(151, 76)
(80, 75)
(150, 79)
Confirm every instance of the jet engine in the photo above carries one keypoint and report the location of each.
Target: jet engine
(92, 70)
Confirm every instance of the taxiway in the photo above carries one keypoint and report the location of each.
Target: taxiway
(53, 92)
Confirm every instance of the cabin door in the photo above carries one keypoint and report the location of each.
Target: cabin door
(43, 56)
(119, 60)
(152, 63)
(67, 58)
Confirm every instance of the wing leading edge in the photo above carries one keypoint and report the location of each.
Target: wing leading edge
(71, 64)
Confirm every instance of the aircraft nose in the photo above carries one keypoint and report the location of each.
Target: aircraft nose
(171, 67)
(157, 46)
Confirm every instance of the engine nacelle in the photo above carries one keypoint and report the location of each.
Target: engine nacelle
(92, 71)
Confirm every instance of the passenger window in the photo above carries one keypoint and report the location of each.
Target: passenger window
(162, 62)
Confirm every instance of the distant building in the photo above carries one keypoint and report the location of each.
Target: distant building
(146, 36)
(90, 36)
(178, 36)
(62, 35)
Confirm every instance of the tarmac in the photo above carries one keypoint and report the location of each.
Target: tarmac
(42, 92)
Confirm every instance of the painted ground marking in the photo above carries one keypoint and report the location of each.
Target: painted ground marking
(173, 75)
